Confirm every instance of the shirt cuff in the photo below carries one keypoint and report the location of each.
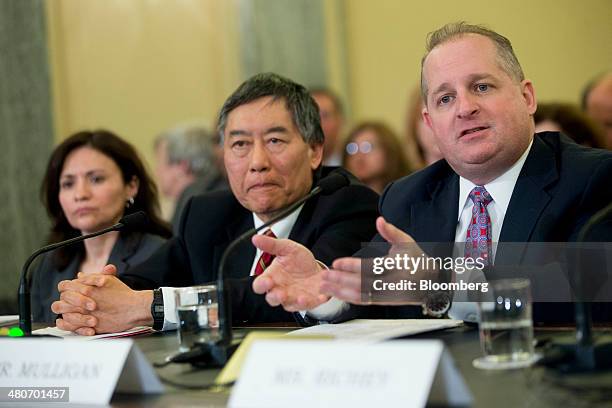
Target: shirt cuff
(327, 311)
(170, 320)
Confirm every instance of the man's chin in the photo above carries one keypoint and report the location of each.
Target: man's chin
(481, 155)
(264, 211)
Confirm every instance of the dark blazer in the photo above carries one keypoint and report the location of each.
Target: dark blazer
(129, 250)
(330, 226)
(561, 185)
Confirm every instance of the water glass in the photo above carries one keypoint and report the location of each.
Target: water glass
(197, 315)
(506, 326)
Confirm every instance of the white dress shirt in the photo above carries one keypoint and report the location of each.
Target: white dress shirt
(500, 190)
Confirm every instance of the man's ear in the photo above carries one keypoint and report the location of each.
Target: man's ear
(529, 96)
(427, 118)
(316, 155)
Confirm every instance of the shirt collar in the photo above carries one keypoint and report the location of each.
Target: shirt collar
(500, 189)
(282, 228)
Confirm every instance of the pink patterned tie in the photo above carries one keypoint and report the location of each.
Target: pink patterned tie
(478, 238)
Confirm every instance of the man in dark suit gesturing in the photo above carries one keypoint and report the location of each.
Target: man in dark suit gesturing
(273, 146)
(525, 188)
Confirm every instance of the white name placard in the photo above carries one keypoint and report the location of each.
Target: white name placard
(92, 370)
(343, 373)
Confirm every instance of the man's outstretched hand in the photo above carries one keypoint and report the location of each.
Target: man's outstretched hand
(344, 280)
(293, 280)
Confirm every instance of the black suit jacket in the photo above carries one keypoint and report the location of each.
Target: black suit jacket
(330, 226)
(561, 185)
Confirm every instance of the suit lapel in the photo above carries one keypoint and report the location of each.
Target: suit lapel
(123, 249)
(303, 223)
(528, 201)
(241, 259)
(436, 220)
(530, 197)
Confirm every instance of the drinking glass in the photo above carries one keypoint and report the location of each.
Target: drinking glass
(197, 315)
(506, 326)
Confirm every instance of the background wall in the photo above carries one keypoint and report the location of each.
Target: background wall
(140, 66)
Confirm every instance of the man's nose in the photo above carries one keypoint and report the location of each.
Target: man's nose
(260, 159)
(467, 105)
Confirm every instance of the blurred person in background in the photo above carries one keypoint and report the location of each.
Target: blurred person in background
(93, 179)
(217, 144)
(186, 166)
(597, 103)
(567, 118)
(331, 114)
(373, 153)
(419, 144)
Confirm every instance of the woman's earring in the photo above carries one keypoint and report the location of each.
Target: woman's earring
(129, 202)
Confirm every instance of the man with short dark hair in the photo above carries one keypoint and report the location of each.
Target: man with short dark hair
(273, 148)
(498, 182)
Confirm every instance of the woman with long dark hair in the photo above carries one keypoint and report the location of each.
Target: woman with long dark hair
(93, 179)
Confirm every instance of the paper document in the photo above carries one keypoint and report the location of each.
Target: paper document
(54, 331)
(377, 329)
(8, 320)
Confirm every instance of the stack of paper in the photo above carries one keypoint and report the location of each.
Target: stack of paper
(377, 329)
(54, 331)
(9, 320)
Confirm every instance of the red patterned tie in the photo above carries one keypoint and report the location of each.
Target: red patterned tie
(266, 258)
(478, 238)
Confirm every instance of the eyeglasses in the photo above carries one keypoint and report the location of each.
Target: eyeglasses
(363, 147)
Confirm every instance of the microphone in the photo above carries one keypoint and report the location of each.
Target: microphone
(587, 354)
(132, 221)
(219, 353)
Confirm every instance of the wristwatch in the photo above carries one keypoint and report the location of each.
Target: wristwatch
(437, 304)
(157, 309)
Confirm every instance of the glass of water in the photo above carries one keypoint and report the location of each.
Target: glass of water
(506, 326)
(197, 315)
